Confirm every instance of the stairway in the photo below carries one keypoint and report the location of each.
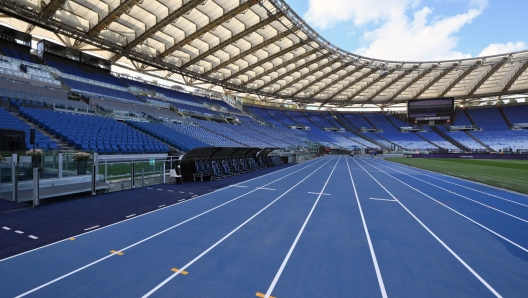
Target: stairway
(390, 120)
(479, 141)
(62, 145)
(505, 117)
(350, 127)
(450, 139)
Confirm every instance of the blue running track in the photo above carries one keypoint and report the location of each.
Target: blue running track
(336, 226)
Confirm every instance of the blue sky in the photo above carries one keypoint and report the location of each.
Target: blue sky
(413, 30)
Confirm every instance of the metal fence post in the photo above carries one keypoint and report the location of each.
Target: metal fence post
(60, 166)
(36, 190)
(14, 176)
(94, 178)
(163, 173)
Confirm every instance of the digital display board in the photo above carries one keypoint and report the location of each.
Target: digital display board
(431, 109)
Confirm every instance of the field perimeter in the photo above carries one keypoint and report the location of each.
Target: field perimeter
(509, 174)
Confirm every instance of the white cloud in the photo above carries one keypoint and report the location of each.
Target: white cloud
(419, 38)
(403, 30)
(500, 48)
(324, 14)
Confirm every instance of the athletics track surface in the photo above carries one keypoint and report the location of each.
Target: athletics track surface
(336, 226)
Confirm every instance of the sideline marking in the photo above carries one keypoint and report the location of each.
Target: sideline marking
(19, 232)
(33, 237)
(383, 199)
(265, 188)
(181, 272)
(259, 294)
(92, 228)
(454, 254)
(6, 228)
(115, 252)
(239, 186)
(130, 215)
(161, 206)
(315, 161)
(319, 193)
(181, 200)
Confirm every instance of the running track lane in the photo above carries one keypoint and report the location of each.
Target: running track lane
(38, 267)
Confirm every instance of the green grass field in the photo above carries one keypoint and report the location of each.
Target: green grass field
(509, 174)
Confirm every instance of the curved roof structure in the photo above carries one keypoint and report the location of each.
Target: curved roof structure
(258, 47)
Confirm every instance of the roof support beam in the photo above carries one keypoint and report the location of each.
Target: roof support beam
(297, 68)
(514, 78)
(209, 27)
(326, 75)
(379, 78)
(412, 82)
(460, 78)
(309, 73)
(283, 64)
(487, 76)
(52, 8)
(429, 85)
(355, 70)
(185, 8)
(390, 83)
(254, 49)
(124, 7)
(233, 39)
(353, 82)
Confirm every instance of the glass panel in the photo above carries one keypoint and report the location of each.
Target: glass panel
(116, 174)
(5, 177)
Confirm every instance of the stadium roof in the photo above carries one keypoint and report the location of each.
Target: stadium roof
(257, 47)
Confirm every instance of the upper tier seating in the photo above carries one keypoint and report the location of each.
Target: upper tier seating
(517, 114)
(102, 135)
(11, 122)
(461, 119)
(495, 132)
(99, 90)
(19, 55)
(90, 73)
(18, 97)
(436, 138)
(231, 131)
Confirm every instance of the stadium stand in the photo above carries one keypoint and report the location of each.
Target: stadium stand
(11, 122)
(92, 133)
(100, 91)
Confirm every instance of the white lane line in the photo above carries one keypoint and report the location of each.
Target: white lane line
(463, 186)
(462, 215)
(6, 228)
(239, 186)
(194, 196)
(226, 236)
(265, 188)
(181, 200)
(161, 206)
(292, 248)
(33, 237)
(382, 199)
(160, 189)
(91, 228)
(130, 215)
(157, 234)
(169, 190)
(371, 247)
(182, 192)
(319, 193)
(452, 192)
(19, 232)
(435, 236)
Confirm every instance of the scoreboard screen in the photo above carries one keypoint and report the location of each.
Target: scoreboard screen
(430, 109)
